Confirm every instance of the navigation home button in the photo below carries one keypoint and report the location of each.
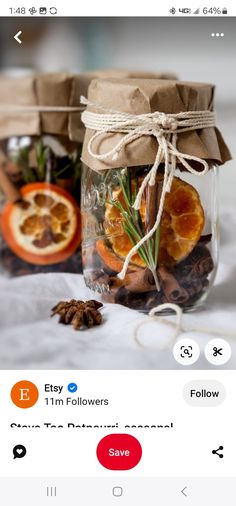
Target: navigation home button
(117, 491)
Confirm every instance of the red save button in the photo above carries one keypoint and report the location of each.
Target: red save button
(119, 452)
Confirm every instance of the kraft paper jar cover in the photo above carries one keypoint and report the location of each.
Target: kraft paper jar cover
(55, 90)
(142, 96)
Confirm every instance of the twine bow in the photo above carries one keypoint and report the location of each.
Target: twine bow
(165, 129)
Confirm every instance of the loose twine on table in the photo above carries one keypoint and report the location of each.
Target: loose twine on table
(179, 328)
(165, 129)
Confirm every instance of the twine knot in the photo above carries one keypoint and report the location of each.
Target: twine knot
(169, 123)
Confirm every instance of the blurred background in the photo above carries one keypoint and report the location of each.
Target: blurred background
(185, 47)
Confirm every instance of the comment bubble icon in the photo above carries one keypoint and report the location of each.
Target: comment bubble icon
(19, 452)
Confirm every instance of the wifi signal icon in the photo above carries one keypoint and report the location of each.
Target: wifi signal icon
(197, 11)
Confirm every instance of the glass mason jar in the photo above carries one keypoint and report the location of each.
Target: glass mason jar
(40, 198)
(177, 264)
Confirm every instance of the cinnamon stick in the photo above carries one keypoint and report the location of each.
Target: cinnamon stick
(8, 188)
(140, 281)
(173, 291)
(153, 194)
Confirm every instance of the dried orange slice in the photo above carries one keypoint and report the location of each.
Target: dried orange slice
(120, 241)
(45, 229)
(182, 222)
(111, 259)
(181, 225)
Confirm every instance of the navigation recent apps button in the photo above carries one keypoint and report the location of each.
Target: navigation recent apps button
(119, 452)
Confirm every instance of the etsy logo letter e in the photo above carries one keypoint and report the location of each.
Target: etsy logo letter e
(24, 394)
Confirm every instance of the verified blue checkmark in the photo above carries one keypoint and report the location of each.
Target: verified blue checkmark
(72, 387)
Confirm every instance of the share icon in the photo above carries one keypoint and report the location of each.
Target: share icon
(216, 452)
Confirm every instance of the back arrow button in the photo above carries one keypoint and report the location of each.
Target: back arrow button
(184, 491)
(16, 37)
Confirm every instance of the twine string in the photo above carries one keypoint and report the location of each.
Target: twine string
(12, 109)
(152, 317)
(178, 326)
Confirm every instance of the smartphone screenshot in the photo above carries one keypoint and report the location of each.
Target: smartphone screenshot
(117, 254)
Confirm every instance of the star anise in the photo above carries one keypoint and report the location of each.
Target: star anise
(80, 314)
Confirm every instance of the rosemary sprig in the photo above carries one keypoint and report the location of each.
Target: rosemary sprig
(40, 160)
(21, 159)
(61, 171)
(132, 222)
(143, 256)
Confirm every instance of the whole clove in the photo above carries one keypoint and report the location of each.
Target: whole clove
(197, 265)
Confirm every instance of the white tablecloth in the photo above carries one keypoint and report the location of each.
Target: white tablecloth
(30, 339)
